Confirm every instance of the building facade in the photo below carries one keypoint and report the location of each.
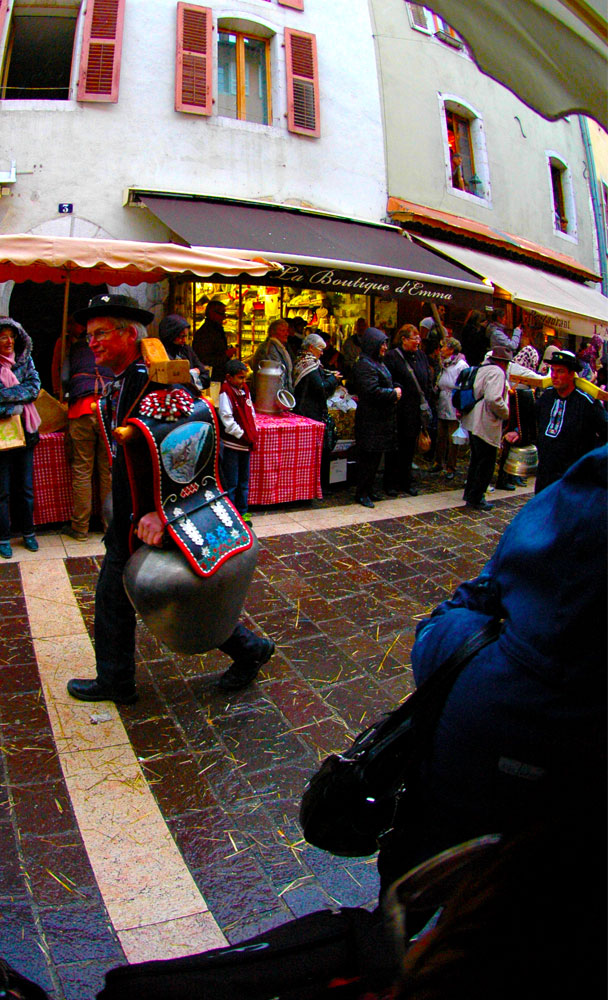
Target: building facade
(469, 164)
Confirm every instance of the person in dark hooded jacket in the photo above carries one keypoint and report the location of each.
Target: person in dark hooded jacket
(376, 415)
(173, 332)
(522, 735)
(19, 387)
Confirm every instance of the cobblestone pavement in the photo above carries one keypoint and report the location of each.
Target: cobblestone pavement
(226, 772)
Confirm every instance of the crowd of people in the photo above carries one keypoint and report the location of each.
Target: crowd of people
(519, 749)
(402, 384)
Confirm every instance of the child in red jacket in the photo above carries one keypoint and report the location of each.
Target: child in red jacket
(239, 434)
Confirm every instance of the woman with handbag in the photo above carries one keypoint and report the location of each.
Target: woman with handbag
(19, 387)
(411, 371)
(452, 364)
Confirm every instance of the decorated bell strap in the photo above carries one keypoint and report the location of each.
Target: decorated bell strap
(98, 408)
(181, 435)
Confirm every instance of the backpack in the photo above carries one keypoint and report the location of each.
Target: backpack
(463, 396)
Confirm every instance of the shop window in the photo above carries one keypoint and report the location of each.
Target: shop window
(39, 44)
(561, 196)
(193, 73)
(243, 76)
(467, 161)
(605, 207)
(303, 112)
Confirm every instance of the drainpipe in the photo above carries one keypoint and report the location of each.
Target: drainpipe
(598, 209)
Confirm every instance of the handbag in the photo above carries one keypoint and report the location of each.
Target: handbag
(11, 432)
(423, 444)
(330, 437)
(352, 799)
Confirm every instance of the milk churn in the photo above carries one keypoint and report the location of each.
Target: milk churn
(268, 381)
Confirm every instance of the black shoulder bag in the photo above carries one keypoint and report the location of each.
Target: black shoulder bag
(351, 800)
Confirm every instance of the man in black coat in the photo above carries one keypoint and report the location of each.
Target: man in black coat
(210, 342)
(570, 422)
(410, 370)
(115, 327)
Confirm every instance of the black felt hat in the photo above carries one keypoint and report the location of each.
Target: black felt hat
(121, 306)
(565, 358)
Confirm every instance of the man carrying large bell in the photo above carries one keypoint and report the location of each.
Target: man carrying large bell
(116, 326)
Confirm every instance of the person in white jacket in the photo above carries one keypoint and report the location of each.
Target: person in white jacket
(452, 363)
(484, 424)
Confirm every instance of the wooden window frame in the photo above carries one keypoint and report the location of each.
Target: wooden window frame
(467, 122)
(241, 97)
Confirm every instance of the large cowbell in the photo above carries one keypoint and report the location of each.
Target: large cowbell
(189, 595)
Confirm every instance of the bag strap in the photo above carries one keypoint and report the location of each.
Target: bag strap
(424, 706)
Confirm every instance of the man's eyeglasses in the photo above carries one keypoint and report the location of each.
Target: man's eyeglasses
(101, 334)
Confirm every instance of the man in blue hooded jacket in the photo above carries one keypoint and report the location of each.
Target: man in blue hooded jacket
(522, 735)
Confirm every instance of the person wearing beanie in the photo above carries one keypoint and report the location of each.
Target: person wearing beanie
(173, 332)
(239, 434)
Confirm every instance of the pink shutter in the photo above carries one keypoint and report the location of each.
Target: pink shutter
(194, 60)
(3, 12)
(101, 50)
(303, 114)
(296, 4)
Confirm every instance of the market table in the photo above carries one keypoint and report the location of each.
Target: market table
(52, 480)
(286, 464)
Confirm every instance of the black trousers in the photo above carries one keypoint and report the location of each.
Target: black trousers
(398, 464)
(368, 463)
(481, 469)
(115, 626)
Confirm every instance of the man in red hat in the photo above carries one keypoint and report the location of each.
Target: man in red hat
(115, 327)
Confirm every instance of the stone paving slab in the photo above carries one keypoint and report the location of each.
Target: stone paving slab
(226, 772)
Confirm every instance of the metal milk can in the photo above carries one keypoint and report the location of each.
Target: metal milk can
(268, 381)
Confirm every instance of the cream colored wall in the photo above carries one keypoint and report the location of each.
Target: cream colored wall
(413, 70)
(87, 154)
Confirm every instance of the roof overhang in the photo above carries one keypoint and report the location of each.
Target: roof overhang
(567, 306)
(317, 249)
(433, 221)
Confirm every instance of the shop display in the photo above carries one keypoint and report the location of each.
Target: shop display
(250, 309)
(341, 406)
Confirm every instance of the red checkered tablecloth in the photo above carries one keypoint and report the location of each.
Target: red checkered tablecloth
(286, 464)
(52, 480)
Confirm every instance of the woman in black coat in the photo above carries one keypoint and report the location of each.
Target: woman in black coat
(376, 416)
(408, 365)
(312, 384)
